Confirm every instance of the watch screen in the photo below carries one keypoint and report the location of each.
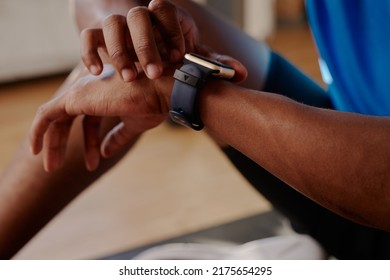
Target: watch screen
(208, 60)
(221, 70)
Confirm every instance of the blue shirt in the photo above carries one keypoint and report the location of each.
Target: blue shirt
(353, 39)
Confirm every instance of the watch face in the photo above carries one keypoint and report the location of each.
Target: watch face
(222, 70)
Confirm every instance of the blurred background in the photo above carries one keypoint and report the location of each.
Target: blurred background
(39, 38)
(128, 208)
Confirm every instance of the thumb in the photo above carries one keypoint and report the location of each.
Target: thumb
(241, 72)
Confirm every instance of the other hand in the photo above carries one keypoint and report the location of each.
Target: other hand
(148, 38)
(140, 105)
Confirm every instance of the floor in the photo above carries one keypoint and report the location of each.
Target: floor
(239, 232)
(153, 194)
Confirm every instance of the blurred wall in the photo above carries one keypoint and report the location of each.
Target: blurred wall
(36, 38)
(256, 17)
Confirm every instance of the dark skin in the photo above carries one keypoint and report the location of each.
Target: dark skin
(29, 202)
(22, 214)
(278, 133)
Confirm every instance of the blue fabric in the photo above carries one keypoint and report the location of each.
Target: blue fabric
(353, 38)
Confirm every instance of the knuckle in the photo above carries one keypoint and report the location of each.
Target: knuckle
(90, 35)
(88, 32)
(137, 12)
(117, 53)
(41, 110)
(160, 5)
(143, 47)
(88, 55)
(84, 34)
(112, 20)
(119, 57)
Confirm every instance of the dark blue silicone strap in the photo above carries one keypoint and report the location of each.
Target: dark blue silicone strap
(189, 80)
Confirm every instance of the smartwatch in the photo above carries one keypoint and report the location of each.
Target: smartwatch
(189, 80)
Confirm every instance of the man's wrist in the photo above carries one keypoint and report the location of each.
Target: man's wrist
(211, 96)
(189, 81)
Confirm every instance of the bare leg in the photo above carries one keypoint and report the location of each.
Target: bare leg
(30, 197)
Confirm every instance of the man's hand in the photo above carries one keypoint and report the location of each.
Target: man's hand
(149, 35)
(140, 105)
(148, 38)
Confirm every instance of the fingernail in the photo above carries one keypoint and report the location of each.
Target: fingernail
(153, 71)
(128, 75)
(94, 70)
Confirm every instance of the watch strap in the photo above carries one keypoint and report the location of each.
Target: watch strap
(189, 79)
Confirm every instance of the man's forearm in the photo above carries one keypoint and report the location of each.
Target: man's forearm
(340, 160)
(31, 197)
